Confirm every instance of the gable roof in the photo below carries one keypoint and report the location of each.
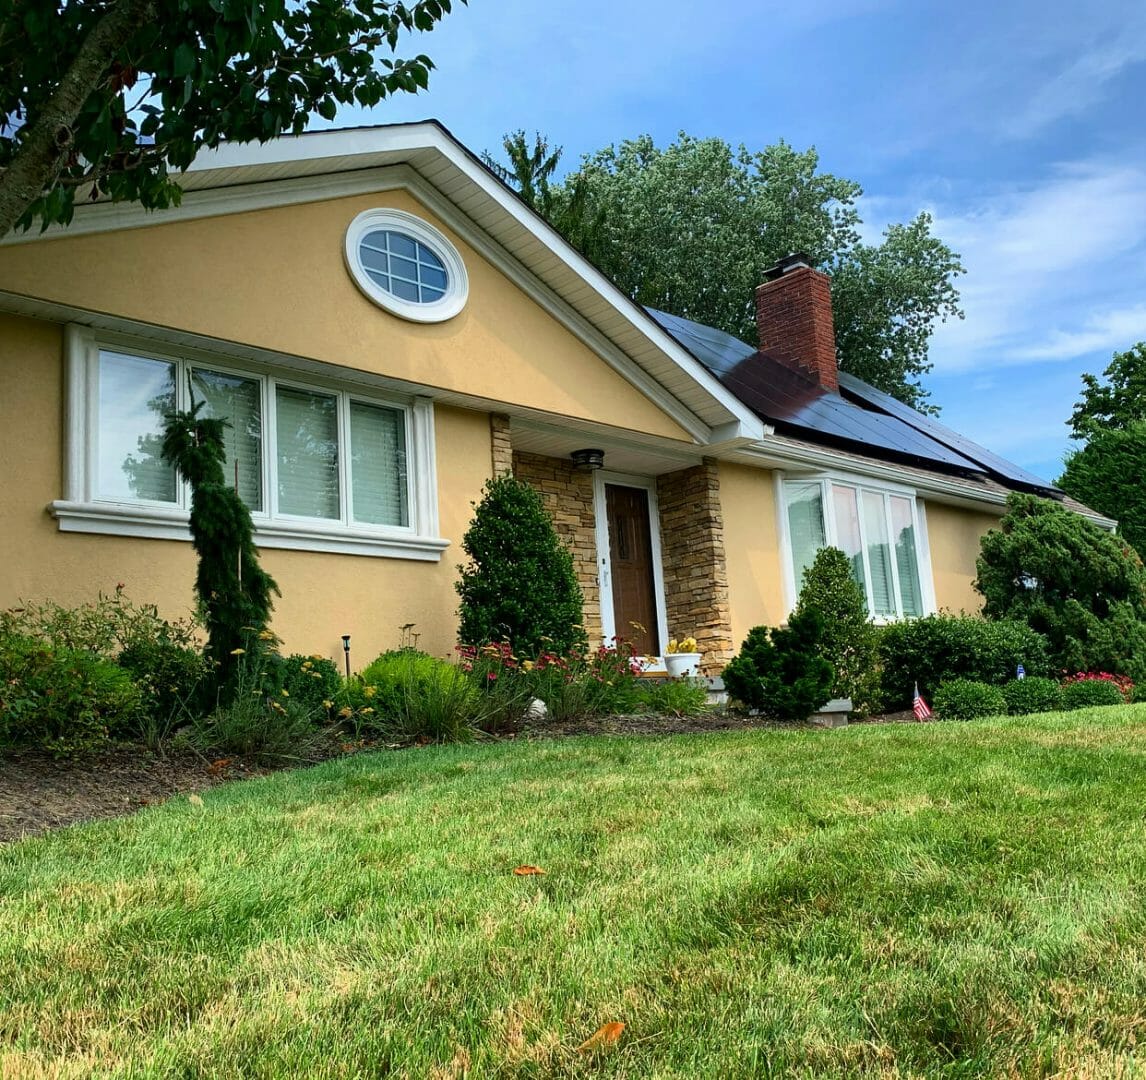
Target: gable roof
(426, 159)
(859, 418)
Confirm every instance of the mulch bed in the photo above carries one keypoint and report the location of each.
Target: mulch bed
(39, 792)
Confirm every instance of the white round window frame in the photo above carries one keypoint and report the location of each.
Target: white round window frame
(457, 282)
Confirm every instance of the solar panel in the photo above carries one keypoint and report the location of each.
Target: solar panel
(988, 460)
(795, 403)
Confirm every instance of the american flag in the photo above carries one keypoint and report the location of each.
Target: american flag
(919, 706)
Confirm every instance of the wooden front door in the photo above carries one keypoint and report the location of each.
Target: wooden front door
(631, 568)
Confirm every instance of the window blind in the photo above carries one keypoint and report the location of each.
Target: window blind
(848, 539)
(906, 561)
(805, 525)
(878, 554)
(238, 401)
(378, 465)
(135, 394)
(306, 425)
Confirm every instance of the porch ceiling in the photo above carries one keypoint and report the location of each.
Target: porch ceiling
(620, 456)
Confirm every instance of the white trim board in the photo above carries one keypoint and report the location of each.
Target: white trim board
(604, 552)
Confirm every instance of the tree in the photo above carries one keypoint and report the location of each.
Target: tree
(1106, 474)
(1117, 404)
(115, 97)
(849, 641)
(233, 590)
(692, 228)
(519, 585)
(1082, 588)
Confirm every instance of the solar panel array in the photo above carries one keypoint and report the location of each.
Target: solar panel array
(860, 416)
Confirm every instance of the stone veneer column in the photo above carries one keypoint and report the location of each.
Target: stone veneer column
(568, 496)
(695, 572)
(500, 446)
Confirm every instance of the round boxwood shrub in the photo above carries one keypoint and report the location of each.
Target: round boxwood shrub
(965, 699)
(310, 680)
(1032, 695)
(1088, 692)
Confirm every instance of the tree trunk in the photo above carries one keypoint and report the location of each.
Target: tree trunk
(45, 147)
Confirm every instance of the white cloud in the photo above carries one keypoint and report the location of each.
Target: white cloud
(1054, 270)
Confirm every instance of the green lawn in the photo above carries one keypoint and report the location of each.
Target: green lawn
(945, 899)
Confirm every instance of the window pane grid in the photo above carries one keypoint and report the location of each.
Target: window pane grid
(875, 529)
(325, 456)
(427, 281)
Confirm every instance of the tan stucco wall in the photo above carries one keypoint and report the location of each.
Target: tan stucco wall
(752, 549)
(277, 279)
(954, 534)
(324, 595)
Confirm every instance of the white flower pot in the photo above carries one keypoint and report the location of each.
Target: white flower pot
(682, 663)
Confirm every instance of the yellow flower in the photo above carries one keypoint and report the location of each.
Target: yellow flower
(328, 704)
(344, 712)
(527, 665)
(238, 652)
(369, 691)
(285, 692)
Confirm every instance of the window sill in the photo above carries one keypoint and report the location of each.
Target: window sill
(157, 523)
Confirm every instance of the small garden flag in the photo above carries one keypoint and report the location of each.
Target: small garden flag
(919, 706)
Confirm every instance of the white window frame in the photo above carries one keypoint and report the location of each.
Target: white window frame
(860, 484)
(83, 509)
(457, 282)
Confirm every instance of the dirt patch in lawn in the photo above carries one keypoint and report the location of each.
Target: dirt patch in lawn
(39, 792)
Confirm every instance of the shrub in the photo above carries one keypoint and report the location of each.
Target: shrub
(172, 679)
(1083, 588)
(1032, 695)
(780, 672)
(674, 697)
(966, 699)
(234, 591)
(412, 694)
(61, 700)
(850, 641)
(1084, 693)
(602, 682)
(312, 681)
(519, 585)
(1125, 684)
(252, 724)
(939, 648)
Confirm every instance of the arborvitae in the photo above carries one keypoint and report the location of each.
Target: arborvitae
(233, 590)
(850, 642)
(519, 585)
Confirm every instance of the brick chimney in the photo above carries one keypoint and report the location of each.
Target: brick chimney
(794, 320)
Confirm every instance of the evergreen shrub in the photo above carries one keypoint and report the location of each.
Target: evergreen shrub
(850, 641)
(781, 672)
(519, 585)
(1085, 693)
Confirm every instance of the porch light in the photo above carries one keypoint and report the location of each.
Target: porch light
(588, 459)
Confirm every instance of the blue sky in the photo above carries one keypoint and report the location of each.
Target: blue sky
(1018, 124)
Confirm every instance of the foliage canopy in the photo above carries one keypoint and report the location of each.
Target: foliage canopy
(1081, 587)
(692, 227)
(116, 97)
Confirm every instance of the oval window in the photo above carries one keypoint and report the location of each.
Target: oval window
(406, 265)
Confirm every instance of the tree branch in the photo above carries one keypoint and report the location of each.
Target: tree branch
(44, 149)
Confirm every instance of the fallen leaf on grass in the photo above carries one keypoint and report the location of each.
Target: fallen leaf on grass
(605, 1035)
(527, 871)
(194, 800)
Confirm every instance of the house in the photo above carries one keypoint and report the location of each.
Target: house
(387, 326)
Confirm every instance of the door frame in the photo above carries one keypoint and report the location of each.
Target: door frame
(604, 555)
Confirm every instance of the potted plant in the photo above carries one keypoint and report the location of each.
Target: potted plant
(681, 657)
